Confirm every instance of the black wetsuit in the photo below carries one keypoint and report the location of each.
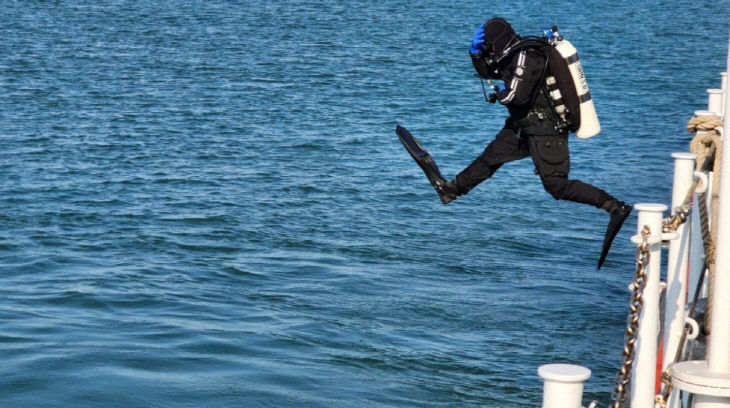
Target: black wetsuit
(530, 131)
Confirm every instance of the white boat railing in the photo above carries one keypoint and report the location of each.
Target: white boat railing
(677, 261)
(707, 381)
(644, 370)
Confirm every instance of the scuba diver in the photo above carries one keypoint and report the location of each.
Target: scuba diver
(538, 122)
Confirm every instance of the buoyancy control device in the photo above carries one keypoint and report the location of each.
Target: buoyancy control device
(565, 82)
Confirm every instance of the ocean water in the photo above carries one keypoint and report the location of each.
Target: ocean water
(204, 203)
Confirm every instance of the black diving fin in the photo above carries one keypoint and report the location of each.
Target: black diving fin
(427, 164)
(618, 216)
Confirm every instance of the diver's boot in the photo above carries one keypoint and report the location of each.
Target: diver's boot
(619, 211)
(445, 189)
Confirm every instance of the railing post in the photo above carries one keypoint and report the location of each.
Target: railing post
(718, 353)
(715, 101)
(684, 164)
(644, 373)
(710, 379)
(563, 387)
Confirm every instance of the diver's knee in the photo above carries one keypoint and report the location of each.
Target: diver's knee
(556, 186)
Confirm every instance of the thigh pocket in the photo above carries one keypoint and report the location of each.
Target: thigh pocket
(551, 156)
(553, 151)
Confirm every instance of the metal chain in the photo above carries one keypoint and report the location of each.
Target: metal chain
(623, 377)
(661, 399)
(671, 223)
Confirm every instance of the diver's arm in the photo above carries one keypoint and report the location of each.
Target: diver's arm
(527, 72)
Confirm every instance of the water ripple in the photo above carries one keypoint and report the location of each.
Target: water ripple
(204, 203)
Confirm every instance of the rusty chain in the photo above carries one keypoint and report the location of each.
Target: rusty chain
(623, 377)
(661, 399)
(682, 211)
(671, 223)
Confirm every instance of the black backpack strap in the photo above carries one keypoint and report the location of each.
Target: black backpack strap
(541, 82)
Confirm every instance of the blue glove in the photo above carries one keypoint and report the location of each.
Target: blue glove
(494, 96)
(477, 41)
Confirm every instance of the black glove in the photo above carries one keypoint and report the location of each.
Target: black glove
(500, 93)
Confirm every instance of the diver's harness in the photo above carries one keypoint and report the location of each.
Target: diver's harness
(542, 114)
(562, 123)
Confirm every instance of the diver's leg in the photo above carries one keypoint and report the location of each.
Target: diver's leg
(505, 147)
(577, 191)
(552, 159)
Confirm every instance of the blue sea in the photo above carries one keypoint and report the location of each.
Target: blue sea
(204, 203)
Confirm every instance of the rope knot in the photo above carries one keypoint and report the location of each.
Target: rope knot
(707, 143)
(708, 123)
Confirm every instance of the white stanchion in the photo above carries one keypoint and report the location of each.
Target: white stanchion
(706, 401)
(684, 164)
(714, 101)
(712, 389)
(718, 353)
(563, 387)
(644, 373)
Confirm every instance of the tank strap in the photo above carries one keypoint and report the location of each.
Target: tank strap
(561, 124)
(541, 81)
(537, 114)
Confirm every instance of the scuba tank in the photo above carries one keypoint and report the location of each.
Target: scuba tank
(567, 86)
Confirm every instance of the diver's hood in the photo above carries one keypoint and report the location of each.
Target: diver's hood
(498, 35)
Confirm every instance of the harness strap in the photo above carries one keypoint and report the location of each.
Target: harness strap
(538, 114)
(533, 116)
